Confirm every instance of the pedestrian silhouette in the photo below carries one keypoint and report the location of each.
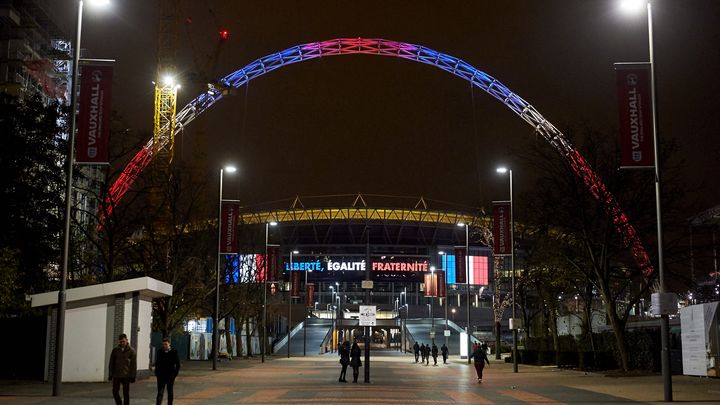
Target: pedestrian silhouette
(123, 369)
(444, 351)
(416, 349)
(355, 361)
(167, 367)
(480, 358)
(434, 352)
(344, 353)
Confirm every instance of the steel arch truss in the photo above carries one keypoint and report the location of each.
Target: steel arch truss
(417, 53)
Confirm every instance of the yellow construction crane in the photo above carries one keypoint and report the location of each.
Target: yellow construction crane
(166, 85)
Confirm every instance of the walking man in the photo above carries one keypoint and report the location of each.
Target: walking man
(480, 358)
(123, 369)
(167, 367)
(416, 349)
(444, 351)
(434, 352)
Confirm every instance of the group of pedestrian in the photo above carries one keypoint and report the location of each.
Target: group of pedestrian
(123, 370)
(423, 353)
(349, 356)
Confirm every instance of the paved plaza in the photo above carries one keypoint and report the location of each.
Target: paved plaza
(394, 379)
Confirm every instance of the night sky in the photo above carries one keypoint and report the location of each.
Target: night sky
(381, 125)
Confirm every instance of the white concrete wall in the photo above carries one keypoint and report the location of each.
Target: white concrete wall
(85, 340)
(144, 325)
(127, 319)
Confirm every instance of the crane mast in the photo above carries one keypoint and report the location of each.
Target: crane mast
(165, 84)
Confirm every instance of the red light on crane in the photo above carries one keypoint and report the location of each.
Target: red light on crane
(224, 34)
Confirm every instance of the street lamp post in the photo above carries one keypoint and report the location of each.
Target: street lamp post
(503, 170)
(216, 321)
(292, 252)
(266, 271)
(60, 328)
(664, 320)
(432, 302)
(403, 302)
(442, 254)
(467, 280)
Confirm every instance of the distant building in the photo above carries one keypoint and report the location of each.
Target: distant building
(704, 264)
(36, 59)
(34, 52)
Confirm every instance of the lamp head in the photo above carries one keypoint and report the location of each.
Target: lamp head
(632, 6)
(230, 169)
(461, 224)
(272, 223)
(502, 170)
(295, 252)
(102, 3)
(441, 253)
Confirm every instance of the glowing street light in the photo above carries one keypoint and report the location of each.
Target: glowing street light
(265, 277)
(60, 328)
(216, 321)
(503, 170)
(636, 5)
(467, 280)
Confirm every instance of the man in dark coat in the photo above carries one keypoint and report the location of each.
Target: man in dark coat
(416, 349)
(434, 352)
(444, 350)
(123, 369)
(344, 353)
(480, 358)
(167, 367)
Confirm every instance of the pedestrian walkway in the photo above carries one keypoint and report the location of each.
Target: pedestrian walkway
(394, 379)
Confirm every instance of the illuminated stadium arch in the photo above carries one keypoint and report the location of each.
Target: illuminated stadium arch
(417, 53)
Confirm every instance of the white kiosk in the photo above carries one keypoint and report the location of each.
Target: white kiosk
(95, 316)
(701, 339)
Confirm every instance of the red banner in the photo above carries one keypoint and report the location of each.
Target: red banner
(94, 117)
(228, 227)
(460, 265)
(635, 112)
(435, 284)
(273, 262)
(310, 295)
(441, 291)
(295, 284)
(501, 228)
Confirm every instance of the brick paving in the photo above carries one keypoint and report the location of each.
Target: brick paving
(395, 379)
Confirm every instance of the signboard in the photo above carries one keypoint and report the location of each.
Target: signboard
(663, 304)
(501, 228)
(447, 332)
(94, 116)
(368, 315)
(367, 284)
(635, 114)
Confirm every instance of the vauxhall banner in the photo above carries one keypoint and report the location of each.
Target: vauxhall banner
(460, 265)
(94, 116)
(273, 262)
(310, 295)
(501, 228)
(229, 214)
(635, 112)
(295, 284)
(440, 283)
(435, 284)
